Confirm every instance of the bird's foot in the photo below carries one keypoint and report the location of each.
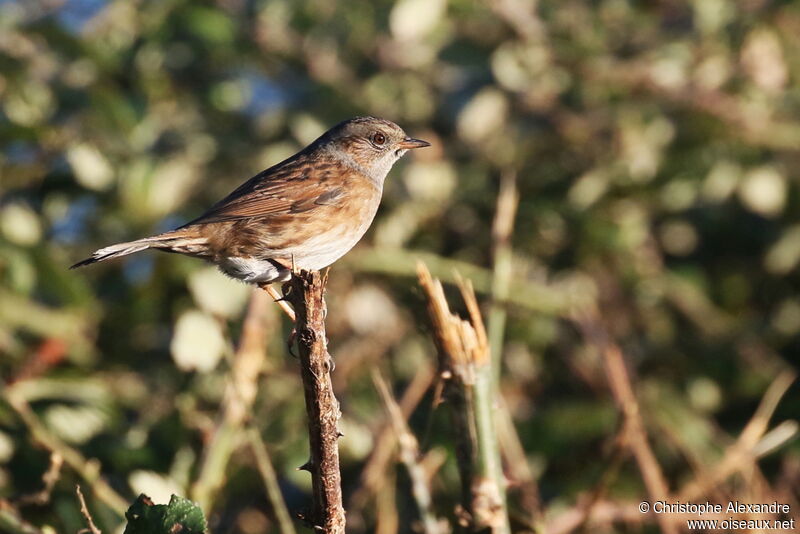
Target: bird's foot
(280, 299)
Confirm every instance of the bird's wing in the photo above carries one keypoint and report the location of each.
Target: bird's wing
(295, 186)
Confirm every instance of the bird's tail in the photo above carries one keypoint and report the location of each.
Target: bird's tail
(184, 240)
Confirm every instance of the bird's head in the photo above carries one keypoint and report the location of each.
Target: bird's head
(370, 144)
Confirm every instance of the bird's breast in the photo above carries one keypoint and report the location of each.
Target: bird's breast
(331, 235)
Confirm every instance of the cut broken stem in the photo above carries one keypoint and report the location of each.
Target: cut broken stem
(466, 370)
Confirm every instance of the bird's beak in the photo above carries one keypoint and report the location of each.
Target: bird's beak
(409, 142)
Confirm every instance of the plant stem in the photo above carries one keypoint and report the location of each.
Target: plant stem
(409, 455)
(307, 298)
(549, 299)
(502, 229)
(88, 470)
(270, 479)
(621, 386)
(466, 368)
(240, 393)
(12, 523)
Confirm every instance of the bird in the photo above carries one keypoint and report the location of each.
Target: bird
(303, 213)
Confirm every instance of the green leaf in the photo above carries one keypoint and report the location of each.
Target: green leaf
(180, 516)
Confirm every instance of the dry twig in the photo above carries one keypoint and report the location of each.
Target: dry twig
(89, 470)
(270, 479)
(85, 512)
(240, 393)
(409, 455)
(742, 454)
(49, 479)
(374, 473)
(622, 390)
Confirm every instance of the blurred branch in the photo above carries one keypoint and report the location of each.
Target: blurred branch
(387, 519)
(49, 479)
(12, 523)
(409, 455)
(513, 452)
(49, 353)
(742, 454)
(549, 299)
(374, 473)
(580, 514)
(756, 129)
(270, 479)
(622, 390)
(466, 368)
(85, 512)
(696, 306)
(307, 296)
(89, 470)
(502, 229)
(240, 393)
(25, 314)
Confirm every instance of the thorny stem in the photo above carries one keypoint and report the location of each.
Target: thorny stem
(307, 299)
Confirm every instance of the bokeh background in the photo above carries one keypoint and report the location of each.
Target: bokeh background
(636, 157)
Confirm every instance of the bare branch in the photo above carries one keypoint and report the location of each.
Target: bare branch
(409, 455)
(240, 392)
(307, 298)
(85, 512)
(622, 390)
(267, 472)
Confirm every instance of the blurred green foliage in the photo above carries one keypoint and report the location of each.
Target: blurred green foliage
(655, 149)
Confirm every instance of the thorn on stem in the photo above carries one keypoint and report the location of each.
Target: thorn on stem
(306, 466)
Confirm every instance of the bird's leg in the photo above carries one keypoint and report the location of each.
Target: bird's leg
(279, 299)
(286, 288)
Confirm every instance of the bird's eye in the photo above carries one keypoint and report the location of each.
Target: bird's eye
(378, 138)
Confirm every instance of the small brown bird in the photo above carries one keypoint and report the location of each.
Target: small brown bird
(306, 211)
